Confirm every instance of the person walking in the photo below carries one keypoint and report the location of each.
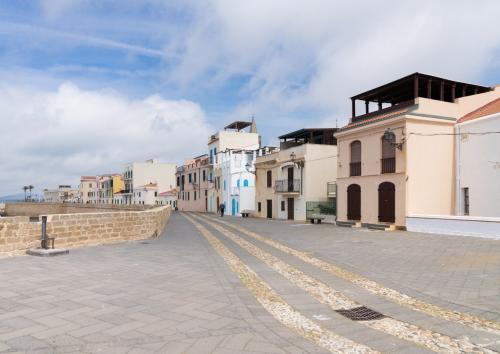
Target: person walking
(221, 208)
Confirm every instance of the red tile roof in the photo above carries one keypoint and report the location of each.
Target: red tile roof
(489, 108)
(374, 119)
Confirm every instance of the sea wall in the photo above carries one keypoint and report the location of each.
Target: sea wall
(17, 234)
(36, 209)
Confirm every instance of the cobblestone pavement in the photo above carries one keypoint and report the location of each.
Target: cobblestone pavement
(209, 287)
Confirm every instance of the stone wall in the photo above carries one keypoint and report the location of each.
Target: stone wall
(36, 209)
(17, 234)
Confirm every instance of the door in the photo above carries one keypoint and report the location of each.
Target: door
(386, 202)
(290, 208)
(269, 209)
(233, 207)
(290, 179)
(354, 202)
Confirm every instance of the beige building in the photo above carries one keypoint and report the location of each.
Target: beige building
(192, 183)
(297, 177)
(63, 194)
(399, 160)
(168, 198)
(139, 174)
(87, 188)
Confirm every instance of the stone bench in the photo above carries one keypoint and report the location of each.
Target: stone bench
(246, 213)
(315, 218)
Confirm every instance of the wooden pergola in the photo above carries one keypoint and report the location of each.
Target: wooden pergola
(416, 85)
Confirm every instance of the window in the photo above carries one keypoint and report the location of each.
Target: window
(190, 178)
(194, 195)
(355, 165)
(238, 183)
(388, 161)
(204, 175)
(194, 177)
(282, 205)
(224, 184)
(259, 207)
(206, 193)
(156, 194)
(188, 195)
(269, 179)
(245, 183)
(465, 196)
(178, 181)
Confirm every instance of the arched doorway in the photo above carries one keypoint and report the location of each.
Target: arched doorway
(233, 207)
(386, 202)
(354, 202)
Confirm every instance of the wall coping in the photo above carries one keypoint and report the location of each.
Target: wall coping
(455, 217)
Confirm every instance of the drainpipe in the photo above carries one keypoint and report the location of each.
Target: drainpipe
(459, 165)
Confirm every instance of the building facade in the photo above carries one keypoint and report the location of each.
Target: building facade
(168, 198)
(300, 172)
(139, 174)
(192, 180)
(398, 160)
(63, 194)
(234, 137)
(86, 188)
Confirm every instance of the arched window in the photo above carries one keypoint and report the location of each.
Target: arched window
(238, 183)
(245, 183)
(388, 161)
(355, 165)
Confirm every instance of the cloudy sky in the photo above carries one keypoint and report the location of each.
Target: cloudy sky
(88, 85)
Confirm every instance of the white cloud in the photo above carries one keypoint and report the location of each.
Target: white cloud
(53, 137)
(313, 55)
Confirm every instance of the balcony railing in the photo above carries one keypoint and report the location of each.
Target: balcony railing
(287, 186)
(388, 165)
(355, 168)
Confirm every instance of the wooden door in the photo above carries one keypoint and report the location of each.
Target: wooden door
(354, 202)
(290, 208)
(386, 202)
(269, 209)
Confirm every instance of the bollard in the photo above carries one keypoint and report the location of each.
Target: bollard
(44, 232)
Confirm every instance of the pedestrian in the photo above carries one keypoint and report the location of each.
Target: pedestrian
(221, 208)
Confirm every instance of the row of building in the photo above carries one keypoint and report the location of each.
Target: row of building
(423, 151)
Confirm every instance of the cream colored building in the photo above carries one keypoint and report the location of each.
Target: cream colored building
(233, 137)
(302, 171)
(168, 198)
(146, 195)
(63, 194)
(86, 188)
(398, 161)
(138, 174)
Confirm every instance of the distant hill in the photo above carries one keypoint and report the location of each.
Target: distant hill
(12, 197)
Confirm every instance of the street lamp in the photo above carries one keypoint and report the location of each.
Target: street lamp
(390, 137)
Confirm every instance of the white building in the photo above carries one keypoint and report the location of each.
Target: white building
(168, 198)
(146, 195)
(238, 180)
(233, 137)
(478, 162)
(139, 174)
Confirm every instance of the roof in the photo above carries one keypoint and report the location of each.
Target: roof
(87, 178)
(403, 89)
(374, 119)
(238, 125)
(306, 133)
(489, 108)
(149, 185)
(167, 193)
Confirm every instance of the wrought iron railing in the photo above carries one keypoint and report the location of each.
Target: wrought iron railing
(355, 168)
(287, 186)
(388, 165)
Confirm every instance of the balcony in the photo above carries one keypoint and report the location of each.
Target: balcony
(355, 169)
(388, 165)
(287, 186)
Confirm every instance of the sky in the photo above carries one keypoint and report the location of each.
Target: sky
(89, 85)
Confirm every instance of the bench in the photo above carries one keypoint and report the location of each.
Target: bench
(316, 219)
(246, 213)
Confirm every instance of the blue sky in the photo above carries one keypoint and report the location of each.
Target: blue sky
(89, 85)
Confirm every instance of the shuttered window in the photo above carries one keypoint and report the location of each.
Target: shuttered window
(388, 148)
(269, 179)
(356, 151)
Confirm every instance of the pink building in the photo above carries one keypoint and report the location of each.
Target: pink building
(192, 184)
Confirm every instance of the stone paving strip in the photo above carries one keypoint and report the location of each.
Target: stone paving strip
(277, 306)
(373, 287)
(320, 291)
